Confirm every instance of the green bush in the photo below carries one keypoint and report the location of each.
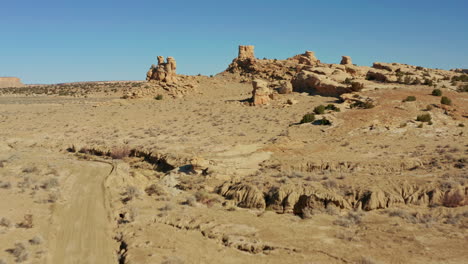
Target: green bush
(308, 118)
(319, 110)
(332, 107)
(429, 107)
(323, 122)
(410, 99)
(158, 97)
(445, 100)
(437, 92)
(460, 78)
(365, 105)
(424, 118)
(428, 82)
(463, 89)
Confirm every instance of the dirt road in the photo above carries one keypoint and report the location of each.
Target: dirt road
(81, 224)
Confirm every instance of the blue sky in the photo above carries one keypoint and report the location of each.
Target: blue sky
(51, 41)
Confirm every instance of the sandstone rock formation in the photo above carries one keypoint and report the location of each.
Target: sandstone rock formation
(261, 94)
(164, 71)
(243, 195)
(346, 60)
(308, 58)
(285, 88)
(307, 81)
(245, 61)
(6, 82)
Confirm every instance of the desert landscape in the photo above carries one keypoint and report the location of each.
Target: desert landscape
(269, 161)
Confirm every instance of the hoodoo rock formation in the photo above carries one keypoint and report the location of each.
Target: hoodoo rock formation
(346, 60)
(245, 61)
(6, 82)
(164, 71)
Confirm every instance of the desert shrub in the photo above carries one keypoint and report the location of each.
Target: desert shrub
(20, 252)
(154, 189)
(357, 86)
(308, 118)
(205, 198)
(410, 99)
(416, 81)
(27, 222)
(158, 97)
(5, 185)
(437, 92)
(461, 125)
(319, 110)
(347, 81)
(429, 107)
(50, 183)
(407, 80)
(332, 107)
(460, 78)
(420, 125)
(424, 118)
(323, 122)
(445, 100)
(37, 240)
(120, 152)
(352, 218)
(131, 192)
(463, 89)
(5, 222)
(428, 82)
(454, 199)
(364, 105)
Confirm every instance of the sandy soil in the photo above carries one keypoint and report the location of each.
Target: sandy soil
(154, 206)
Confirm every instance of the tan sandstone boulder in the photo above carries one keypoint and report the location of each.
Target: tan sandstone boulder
(311, 82)
(261, 94)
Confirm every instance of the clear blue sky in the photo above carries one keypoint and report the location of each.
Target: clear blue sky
(51, 41)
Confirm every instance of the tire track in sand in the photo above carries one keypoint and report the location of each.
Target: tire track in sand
(82, 226)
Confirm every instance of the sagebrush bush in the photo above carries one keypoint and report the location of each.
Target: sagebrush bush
(365, 105)
(424, 118)
(308, 118)
(158, 97)
(319, 110)
(410, 99)
(445, 100)
(332, 107)
(437, 92)
(323, 122)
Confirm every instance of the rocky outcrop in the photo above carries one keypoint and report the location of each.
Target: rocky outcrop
(261, 94)
(164, 71)
(243, 195)
(460, 70)
(308, 58)
(285, 88)
(311, 82)
(7, 82)
(346, 60)
(245, 61)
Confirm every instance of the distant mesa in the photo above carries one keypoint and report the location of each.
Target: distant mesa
(6, 82)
